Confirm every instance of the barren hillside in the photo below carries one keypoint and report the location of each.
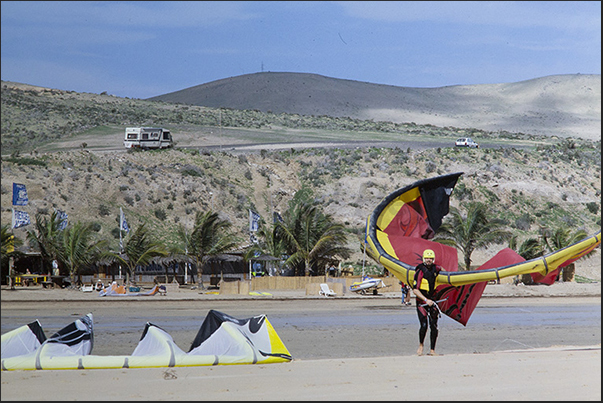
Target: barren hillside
(528, 189)
(561, 105)
(75, 161)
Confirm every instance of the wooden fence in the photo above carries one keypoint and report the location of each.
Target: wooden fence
(341, 285)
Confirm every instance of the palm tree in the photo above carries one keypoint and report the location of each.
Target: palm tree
(139, 250)
(470, 232)
(211, 236)
(10, 243)
(45, 237)
(180, 252)
(269, 243)
(312, 237)
(546, 242)
(77, 249)
(529, 249)
(559, 239)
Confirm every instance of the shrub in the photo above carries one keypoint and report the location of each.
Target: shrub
(593, 207)
(103, 210)
(160, 214)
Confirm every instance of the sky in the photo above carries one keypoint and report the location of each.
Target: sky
(141, 49)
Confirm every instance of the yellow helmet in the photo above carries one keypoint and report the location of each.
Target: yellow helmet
(428, 253)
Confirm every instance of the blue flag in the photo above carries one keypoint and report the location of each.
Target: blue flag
(254, 221)
(62, 219)
(20, 219)
(277, 218)
(19, 195)
(123, 225)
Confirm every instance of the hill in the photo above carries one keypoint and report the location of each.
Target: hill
(550, 187)
(66, 147)
(559, 105)
(38, 119)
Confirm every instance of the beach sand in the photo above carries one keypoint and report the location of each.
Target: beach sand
(548, 374)
(331, 362)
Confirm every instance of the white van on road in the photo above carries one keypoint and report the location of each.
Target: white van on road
(466, 142)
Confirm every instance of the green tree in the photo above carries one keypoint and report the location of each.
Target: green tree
(10, 243)
(78, 249)
(45, 238)
(471, 231)
(269, 243)
(211, 236)
(139, 250)
(181, 252)
(313, 239)
(549, 241)
(559, 239)
(529, 249)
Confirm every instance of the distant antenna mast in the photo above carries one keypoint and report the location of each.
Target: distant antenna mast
(220, 123)
(262, 67)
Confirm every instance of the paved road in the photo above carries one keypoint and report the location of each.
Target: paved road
(404, 145)
(241, 147)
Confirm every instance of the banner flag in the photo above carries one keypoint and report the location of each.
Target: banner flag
(254, 221)
(19, 195)
(62, 219)
(123, 225)
(277, 218)
(20, 219)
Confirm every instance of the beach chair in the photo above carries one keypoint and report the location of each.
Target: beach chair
(87, 288)
(326, 291)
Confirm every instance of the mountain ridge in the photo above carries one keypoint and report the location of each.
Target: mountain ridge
(558, 105)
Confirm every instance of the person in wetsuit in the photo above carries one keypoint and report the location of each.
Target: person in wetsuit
(424, 289)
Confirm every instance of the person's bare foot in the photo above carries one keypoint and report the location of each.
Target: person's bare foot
(432, 353)
(420, 350)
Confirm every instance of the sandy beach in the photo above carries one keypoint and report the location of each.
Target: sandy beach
(522, 343)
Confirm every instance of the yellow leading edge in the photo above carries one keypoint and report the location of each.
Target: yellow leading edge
(542, 265)
(406, 219)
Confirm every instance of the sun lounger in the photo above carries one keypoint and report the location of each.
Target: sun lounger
(326, 291)
(88, 288)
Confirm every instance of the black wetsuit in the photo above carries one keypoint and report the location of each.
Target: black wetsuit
(427, 314)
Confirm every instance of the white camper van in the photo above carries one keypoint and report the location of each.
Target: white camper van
(147, 137)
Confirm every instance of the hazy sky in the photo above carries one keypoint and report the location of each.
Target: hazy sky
(140, 49)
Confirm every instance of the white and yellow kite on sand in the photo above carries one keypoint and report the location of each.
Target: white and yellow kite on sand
(221, 340)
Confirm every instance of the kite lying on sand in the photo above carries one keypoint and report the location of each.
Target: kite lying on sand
(221, 340)
(400, 229)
